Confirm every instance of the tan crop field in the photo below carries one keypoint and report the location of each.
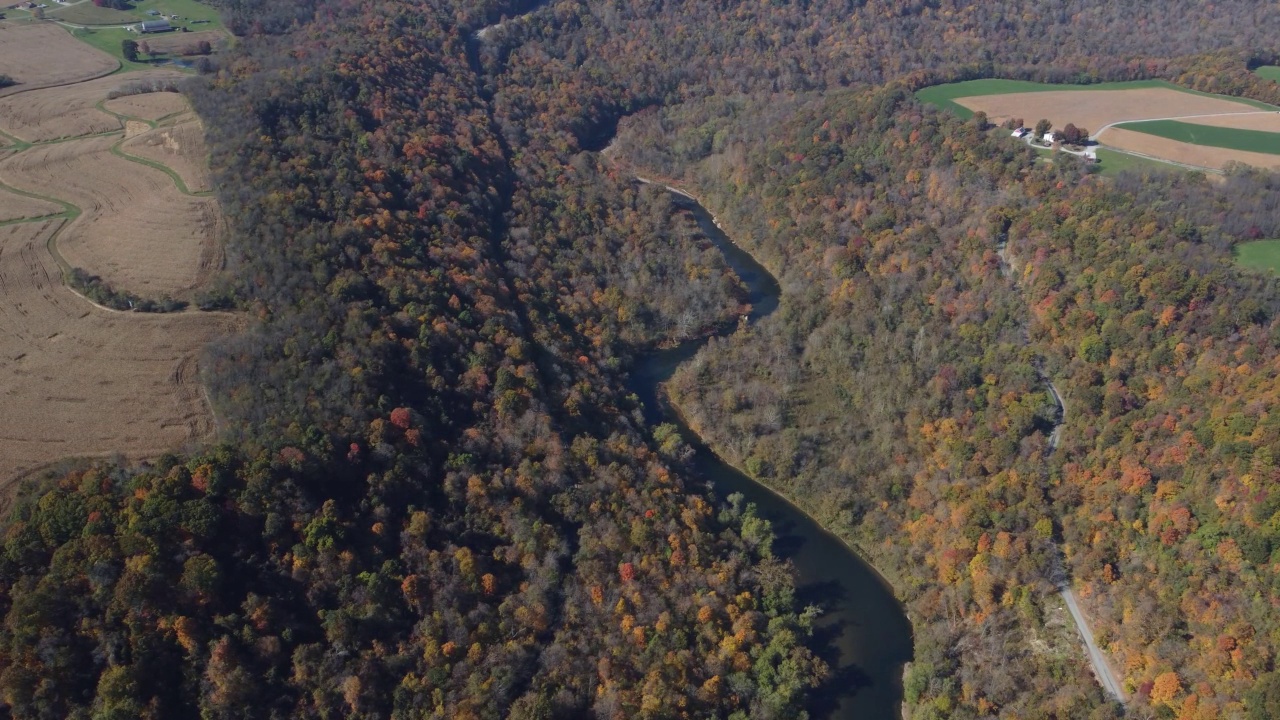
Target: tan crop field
(1265, 122)
(1094, 109)
(43, 55)
(180, 147)
(14, 207)
(138, 232)
(1199, 155)
(68, 110)
(76, 380)
(149, 106)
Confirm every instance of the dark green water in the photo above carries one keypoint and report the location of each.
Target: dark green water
(863, 634)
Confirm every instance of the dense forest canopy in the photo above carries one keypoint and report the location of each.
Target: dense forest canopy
(435, 497)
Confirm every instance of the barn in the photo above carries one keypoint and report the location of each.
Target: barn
(155, 26)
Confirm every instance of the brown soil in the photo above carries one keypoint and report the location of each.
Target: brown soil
(179, 147)
(1199, 155)
(13, 207)
(148, 106)
(137, 232)
(1266, 122)
(43, 55)
(1093, 109)
(76, 380)
(66, 111)
(179, 42)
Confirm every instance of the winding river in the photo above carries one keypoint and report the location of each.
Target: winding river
(863, 633)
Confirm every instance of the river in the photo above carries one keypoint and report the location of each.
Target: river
(863, 633)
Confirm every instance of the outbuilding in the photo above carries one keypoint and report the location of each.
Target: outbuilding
(155, 26)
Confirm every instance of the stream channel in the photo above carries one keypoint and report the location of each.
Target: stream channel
(863, 633)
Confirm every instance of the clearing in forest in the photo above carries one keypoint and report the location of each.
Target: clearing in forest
(1259, 255)
(78, 379)
(1152, 119)
(42, 55)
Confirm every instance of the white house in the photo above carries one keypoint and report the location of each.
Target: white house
(1020, 132)
(1050, 138)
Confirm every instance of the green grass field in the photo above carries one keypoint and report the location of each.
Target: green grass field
(944, 96)
(86, 13)
(1230, 138)
(1270, 72)
(1112, 163)
(1259, 255)
(107, 39)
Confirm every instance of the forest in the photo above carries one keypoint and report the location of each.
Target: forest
(433, 495)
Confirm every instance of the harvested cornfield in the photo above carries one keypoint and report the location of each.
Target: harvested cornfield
(77, 380)
(14, 207)
(43, 55)
(148, 106)
(67, 111)
(137, 231)
(179, 147)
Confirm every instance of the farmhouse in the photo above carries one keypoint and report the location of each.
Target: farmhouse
(1020, 132)
(1050, 138)
(155, 26)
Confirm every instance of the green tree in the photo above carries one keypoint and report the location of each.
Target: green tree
(129, 48)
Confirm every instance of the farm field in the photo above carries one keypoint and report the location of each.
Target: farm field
(138, 231)
(1094, 109)
(1113, 162)
(150, 106)
(1181, 152)
(25, 50)
(68, 110)
(86, 13)
(1259, 255)
(178, 42)
(1159, 120)
(78, 379)
(179, 147)
(1264, 122)
(946, 96)
(1255, 141)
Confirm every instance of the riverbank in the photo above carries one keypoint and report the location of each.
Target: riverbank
(863, 633)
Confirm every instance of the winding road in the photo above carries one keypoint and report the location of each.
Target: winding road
(1106, 677)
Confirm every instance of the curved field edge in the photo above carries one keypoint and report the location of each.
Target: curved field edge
(1230, 138)
(944, 96)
